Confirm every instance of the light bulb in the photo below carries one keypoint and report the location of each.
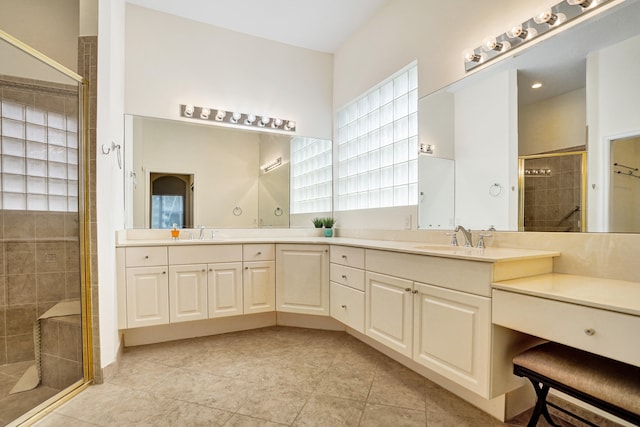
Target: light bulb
(290, 125)
(188, 110)
(490, 44)
(263, 121)
(250, 119)
(582, 3)
(470, 55)
(220, 115)
(550, 18)
(204, 114)
(276, 123)
(235, 117)
(522, 33)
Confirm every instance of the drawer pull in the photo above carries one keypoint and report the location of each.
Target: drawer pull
(343, 306)
(408, 289)
(164, 272)
(590, 332)
(344, 276)
(146, 257)
(259, 253)
(344, 257)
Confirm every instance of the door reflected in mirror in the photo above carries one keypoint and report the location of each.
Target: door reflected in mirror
(624, 199)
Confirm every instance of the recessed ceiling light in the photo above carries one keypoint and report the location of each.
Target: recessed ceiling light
(536, 85)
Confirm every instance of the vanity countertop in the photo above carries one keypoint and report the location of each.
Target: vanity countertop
(489, 254)
(609, 294)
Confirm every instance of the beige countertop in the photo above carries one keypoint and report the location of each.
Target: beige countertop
(614, 295)
(489, 254)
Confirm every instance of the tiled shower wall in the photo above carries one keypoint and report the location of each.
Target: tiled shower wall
(39, 238)
(551, 202)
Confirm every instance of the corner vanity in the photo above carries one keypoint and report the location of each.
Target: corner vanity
(427, 306)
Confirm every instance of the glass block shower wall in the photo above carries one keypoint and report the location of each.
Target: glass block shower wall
(39, 250)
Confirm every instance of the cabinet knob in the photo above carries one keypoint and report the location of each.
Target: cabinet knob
(259, 253)
(164, 272)
(343, 306)
(415, 291)
(408, 289)
(211, 269)
(590, 332)
(344, 257)
(146, 257)
(246, 268)
(203, 270)
(344, 276)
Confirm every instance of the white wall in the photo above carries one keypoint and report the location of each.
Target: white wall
(109, 178)
(612, 85)
(553, 124)
(485, 130)
(172, 61)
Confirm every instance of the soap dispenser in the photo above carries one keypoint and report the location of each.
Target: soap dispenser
(175, 232)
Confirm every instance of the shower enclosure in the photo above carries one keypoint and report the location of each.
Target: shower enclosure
(44, 319)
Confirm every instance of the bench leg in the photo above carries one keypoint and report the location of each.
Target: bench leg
(541, 405)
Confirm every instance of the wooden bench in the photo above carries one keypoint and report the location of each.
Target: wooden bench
(604, 383)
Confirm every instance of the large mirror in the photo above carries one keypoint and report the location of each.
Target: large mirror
(193, 174)
(562, 157)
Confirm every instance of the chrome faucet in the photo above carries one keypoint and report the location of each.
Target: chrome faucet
(201, 236)
(468, 238)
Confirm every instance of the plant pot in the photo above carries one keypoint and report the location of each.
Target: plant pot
(328, 232)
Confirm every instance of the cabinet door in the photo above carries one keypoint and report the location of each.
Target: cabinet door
(225, 289)
(147, 296)
(187, 292)
(452, 335)
(302, 279)
(389, 311)
(259, 286)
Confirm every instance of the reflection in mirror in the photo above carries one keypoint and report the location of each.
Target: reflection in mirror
(589, 75)
(436, 186)
(624, 198)
(236, 178)
(171, 201)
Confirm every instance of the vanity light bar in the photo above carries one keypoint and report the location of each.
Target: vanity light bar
(235, 118)
(545, 21)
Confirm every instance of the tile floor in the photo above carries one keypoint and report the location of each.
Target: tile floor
(267, 377)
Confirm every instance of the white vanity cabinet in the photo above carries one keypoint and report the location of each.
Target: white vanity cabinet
(205, 282)
(147, 286)
(389, 311)
(347, 286)
(452, 334)
(259, 278)
(302, 278)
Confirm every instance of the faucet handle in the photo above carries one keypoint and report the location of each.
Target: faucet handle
(454, 239)
(480, 244)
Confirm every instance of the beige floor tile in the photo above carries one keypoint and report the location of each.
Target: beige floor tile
(384, 416)
(406, 390)
(277, 404)
(244, 421)
(349, 382)
(57, 420)
(321, 411)
(193, 415)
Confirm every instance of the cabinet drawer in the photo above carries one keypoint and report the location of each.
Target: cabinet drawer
(598, 331)
(348, 276)
(259, 252)
(347, 306)
(147, 256)
(346, 255)
(204, 254)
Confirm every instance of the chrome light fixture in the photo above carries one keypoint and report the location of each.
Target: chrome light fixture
(235, 118)
(547, 20)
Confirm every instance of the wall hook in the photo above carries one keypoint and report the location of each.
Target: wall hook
(106, 149)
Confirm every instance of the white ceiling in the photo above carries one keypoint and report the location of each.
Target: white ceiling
(321, 25)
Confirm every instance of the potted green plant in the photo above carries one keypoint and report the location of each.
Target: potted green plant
(318, 222)
(328, 223)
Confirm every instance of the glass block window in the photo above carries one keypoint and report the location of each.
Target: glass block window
(378, 145)
(311, 171)
(39, 152)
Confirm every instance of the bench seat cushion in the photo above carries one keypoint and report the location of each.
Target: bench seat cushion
(605, 379)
